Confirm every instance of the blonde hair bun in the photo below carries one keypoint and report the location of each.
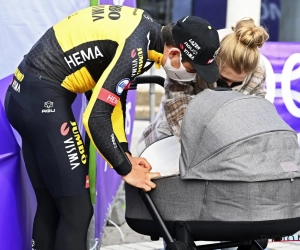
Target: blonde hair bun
(249, 34)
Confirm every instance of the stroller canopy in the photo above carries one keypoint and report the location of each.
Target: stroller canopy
(229, 136)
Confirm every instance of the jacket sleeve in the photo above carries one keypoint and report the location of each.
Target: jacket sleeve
(104, 116)
(256, 83)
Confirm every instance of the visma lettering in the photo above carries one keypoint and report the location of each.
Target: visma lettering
(194, 44)
(16, 86)
(134, 67)
(141, 59)
(193, 51)
(71, 144)
(189, 54)
(98, 12)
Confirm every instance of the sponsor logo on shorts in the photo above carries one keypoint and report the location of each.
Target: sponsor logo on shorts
(64, 129)
(16, 86)
(108, 97)
(49, 107)
(33, 245)
(19, 75)
(74, 141)
(87, 182)
(122, 85)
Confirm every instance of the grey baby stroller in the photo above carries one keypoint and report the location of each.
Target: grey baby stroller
(239, 178)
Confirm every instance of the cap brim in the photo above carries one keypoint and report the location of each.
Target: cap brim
(209, 73)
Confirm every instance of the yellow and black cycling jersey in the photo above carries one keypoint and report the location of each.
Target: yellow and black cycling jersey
(101, 48)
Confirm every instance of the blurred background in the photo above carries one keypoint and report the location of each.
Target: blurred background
(279, 16)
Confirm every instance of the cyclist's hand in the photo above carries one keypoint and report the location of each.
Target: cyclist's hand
(140, 179)
(139, 161)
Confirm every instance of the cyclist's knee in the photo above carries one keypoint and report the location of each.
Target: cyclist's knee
(76, 210)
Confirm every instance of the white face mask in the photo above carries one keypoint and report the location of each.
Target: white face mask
(179, 74)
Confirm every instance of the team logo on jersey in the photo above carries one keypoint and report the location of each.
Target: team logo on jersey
(122, 85)
(133, 53)
(140, 60)
(75, 59)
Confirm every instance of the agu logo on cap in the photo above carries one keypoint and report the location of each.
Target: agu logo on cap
(122, 85)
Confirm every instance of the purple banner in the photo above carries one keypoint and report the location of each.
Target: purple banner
(17, 202)
(283, 80)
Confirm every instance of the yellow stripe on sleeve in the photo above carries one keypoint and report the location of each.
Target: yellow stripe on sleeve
(98, 87)
(118, 122)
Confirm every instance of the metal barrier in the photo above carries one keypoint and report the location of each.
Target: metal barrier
(149, 79)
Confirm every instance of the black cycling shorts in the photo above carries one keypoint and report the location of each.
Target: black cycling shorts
(53, 149)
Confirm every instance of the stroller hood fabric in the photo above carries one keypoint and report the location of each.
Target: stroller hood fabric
(229, 136)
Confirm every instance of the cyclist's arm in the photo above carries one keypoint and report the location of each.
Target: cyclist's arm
(104, 114)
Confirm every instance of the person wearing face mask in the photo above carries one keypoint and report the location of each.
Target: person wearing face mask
(188, 56)
(241, 69)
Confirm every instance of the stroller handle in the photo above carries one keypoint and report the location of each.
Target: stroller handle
(146, 80)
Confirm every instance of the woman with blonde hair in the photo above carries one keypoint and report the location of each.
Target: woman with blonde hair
(241, 67)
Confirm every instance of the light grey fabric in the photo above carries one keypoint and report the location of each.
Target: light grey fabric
(196, 200)
(232, 137)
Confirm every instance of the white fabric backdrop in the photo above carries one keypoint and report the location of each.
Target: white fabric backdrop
(23, 22)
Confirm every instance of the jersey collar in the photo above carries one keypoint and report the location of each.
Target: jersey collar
(156, 57)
